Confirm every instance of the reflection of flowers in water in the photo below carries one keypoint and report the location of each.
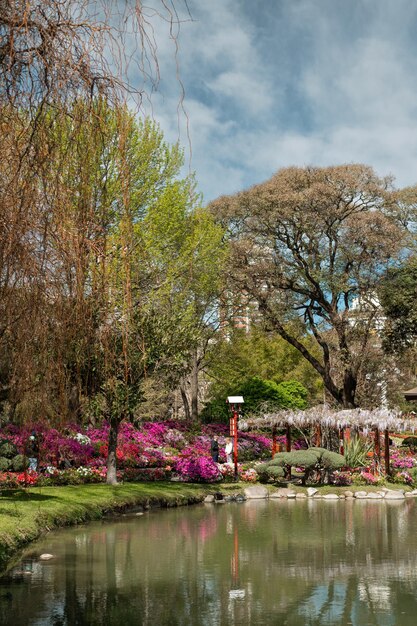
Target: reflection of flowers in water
(207, 528)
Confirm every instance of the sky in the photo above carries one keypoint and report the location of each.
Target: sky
(274, 83)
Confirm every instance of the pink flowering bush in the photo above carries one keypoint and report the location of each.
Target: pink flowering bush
(403, 478)
(367, 478)
(249, 475)
(399, 460)
(198, 469)
(227, 471)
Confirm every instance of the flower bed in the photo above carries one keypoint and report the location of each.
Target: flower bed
(74, 455)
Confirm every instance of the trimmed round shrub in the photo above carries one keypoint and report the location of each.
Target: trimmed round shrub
(262, 470)
(409, 442)
(302, 458)
(280, 459)
(318, 452)
(332, 460)
(19, 463)
(275, 472)
(4, 464)
(7, 449)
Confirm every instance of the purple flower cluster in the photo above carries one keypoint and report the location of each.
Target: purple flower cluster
(400, 461)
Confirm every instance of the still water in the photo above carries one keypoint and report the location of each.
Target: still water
(279, 562)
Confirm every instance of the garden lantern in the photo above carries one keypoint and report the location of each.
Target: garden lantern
(234, 403)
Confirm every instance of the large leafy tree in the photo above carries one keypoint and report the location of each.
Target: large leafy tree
(309, 247)
(398, 297)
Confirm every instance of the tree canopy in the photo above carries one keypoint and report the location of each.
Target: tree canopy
(309, 247)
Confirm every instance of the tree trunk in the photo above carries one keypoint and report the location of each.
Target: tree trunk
(349, 390)
(111, 457)
(185, 403)
(194, 389)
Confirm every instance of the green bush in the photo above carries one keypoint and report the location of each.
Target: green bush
(262, 469)
(410, 442)
(4, 464)
(280, 459)
(7, 449)
(266, 471)
(302, 458)
(317, 461)
(19, 463)
(292, 394)
(332, 460)
(275, 472)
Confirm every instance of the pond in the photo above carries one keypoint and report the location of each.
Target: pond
(278, 562)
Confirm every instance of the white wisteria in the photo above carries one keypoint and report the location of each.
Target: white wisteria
(363, 419)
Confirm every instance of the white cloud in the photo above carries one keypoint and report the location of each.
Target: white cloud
(292, 83)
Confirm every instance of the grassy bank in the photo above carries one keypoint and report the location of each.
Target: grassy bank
(26, 514)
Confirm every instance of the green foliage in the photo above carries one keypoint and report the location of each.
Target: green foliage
(7, 449)
(259, 393)
(397, 295)
(280, 459)
(261, 355)
(19, 463)
(332, 460)
(276, 472)
(5, 464)
(410, 442)
(262, 469)
(302, 458)
(355, 452)
(255, 391)
(313, 459)
(293, 395)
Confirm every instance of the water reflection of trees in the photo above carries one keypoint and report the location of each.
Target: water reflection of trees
(304, 562)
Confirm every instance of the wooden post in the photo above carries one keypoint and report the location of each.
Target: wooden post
(377, 446)
(288, 437)
(341, 441)
(274, 440)
(288, 448)
(386, 451)
(235, 452)
(318, 436)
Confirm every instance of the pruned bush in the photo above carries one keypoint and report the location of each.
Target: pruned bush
(19, 463)
(262, 469)
(410, 442)
(7, 449)
(332, 460)
(276, 472)
(314, 461)
(280, 459)
(302, 458)
(4, 464)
